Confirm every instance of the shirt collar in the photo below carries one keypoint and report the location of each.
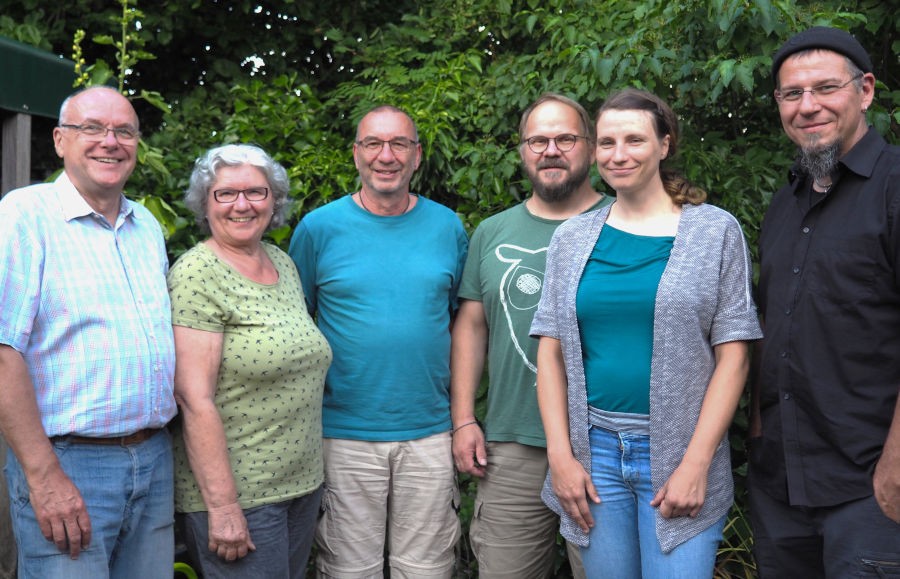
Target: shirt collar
(861, 159)
(74, 205)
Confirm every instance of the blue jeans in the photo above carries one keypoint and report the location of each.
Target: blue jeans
(623, 541)
(128, 492)
(282, 532)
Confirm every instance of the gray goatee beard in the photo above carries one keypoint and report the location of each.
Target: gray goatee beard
(820, 162)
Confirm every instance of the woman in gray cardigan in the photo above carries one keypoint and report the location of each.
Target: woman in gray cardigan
(643, 323)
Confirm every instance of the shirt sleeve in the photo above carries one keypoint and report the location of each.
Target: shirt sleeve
(195, 295)
(735, 317)
(470, 286)
(303, 253)
(462, 249)
(546, 318)
(894, 220)
(21, 264)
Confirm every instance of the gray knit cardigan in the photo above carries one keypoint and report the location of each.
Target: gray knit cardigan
(703, 299)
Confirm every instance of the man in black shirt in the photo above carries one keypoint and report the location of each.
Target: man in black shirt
(825, 450)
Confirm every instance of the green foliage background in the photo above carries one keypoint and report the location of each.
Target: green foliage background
(464, 69)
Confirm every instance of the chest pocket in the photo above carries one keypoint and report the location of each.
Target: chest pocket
(844, 271)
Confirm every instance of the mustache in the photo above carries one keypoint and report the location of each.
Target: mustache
(552, 164)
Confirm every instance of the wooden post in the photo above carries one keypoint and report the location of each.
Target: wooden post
(16, 168)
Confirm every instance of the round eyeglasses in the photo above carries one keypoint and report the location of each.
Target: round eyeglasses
(564, 142)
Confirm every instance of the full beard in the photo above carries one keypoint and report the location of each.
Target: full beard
(557, 192)
(821, 161)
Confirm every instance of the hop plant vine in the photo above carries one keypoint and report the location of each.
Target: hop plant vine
(128, 43)
(81, 75)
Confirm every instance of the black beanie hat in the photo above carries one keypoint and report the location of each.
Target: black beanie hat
(826, 38)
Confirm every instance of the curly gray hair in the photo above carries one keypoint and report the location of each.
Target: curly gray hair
(196, 198)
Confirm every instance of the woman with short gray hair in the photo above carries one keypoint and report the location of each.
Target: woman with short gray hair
(250, 372)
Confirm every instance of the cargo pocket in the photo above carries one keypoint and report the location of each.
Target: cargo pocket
(879, 565)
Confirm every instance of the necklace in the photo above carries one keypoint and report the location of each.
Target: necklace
(363, 203)
(822, 188)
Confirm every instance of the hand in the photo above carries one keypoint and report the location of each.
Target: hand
(469, 452)
(229, 536)
(61, 513)
(684, 493)
(573, 487)
(886, 482)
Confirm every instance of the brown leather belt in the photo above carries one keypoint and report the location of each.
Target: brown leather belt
(135, 438)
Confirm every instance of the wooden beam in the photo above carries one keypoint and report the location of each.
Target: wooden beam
(16, 167)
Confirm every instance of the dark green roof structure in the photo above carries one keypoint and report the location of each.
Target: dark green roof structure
(32, 82)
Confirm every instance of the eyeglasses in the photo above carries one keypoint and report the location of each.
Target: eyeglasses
(231, 195)
(399, 146)
(564, 142)
(96, 133)
(823, 90)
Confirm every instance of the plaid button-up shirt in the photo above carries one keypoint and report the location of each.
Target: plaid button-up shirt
(86, 305)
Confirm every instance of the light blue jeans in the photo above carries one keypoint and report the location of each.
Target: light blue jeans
(128, 491)
(623, 541)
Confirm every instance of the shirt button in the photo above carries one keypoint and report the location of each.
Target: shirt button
(787, 312)
(784, 354)
(796, 270)
(787, 396)
(805, 230)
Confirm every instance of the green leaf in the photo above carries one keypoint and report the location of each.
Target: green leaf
(155, 99)
(726, 71)
(475, 60)
(744, 74)
(605, 70)
(767, 15)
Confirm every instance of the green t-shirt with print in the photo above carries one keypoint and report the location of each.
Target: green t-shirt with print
(270, 382)
(505, 271)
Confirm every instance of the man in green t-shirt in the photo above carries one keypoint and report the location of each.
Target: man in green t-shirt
(513, 534)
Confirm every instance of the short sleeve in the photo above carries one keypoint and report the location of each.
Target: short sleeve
(462, 250)
(470, 286)
(21, 264)
(736, 317)
(303, 253)
(194, 291)
(546, 318)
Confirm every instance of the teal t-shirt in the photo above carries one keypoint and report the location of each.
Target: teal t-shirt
(505, 271)
(614, 305)
(270, 382)
(382, 290)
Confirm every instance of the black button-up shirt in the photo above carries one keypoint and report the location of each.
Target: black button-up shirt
(829, 292)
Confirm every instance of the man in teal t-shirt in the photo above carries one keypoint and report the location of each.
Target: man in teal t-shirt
(380, 269)
(513, 533)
